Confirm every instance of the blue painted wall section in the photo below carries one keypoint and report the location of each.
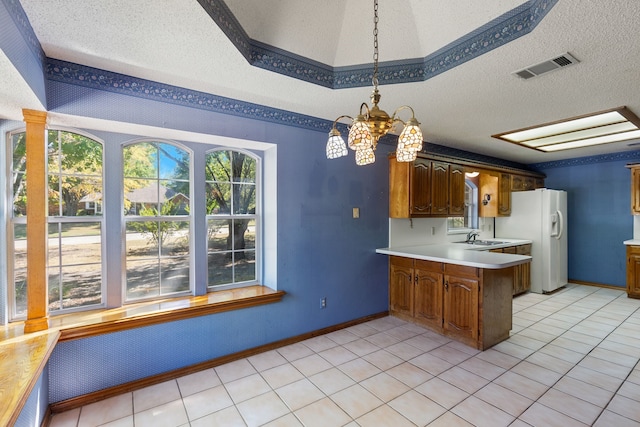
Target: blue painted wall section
(322, 250)
(21, 46)
(599, 214)
(37, 403)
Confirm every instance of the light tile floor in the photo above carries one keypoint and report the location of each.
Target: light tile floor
(571, 360)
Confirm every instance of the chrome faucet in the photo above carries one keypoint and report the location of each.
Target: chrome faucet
(472, 235)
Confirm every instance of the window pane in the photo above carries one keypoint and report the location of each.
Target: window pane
(20, 246)
(174, 237)
(174, 275)
(218, 234)
(220, 269)
(218, 198)
(20, 291)
(244, 199)
(142, 239)
(142, 279)
(174, 162)
(245, 266)
(140, 160)
(74, 286)
(244, 168)
(80, 155)
(80, 243)
(250, 234)
(218, 166)
(18, 167)
(174, 197)
(74, 193)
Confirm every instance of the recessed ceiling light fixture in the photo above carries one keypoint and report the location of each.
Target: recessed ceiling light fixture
(618, 124)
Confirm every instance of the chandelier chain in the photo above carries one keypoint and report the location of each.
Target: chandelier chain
(374, 80)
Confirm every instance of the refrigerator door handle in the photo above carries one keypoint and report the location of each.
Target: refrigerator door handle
(559, 225)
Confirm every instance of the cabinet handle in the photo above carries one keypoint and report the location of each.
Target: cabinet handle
(415, 279)
(446, 286)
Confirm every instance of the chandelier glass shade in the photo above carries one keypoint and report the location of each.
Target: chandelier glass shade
(373, 123)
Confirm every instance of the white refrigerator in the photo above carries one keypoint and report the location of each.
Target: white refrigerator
(540, 216)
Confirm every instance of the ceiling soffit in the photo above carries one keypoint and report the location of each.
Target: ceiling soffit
(503, 29)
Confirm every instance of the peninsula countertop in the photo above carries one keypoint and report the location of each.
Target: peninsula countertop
(463, 254)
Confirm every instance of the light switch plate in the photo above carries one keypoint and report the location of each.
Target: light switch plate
(356, 212)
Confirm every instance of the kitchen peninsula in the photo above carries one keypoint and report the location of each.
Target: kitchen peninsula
(459, 290)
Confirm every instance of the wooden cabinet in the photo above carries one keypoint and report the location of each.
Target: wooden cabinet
(456, 190)
(522, 272)
(525, 182)
(425, 188)
(504, 194)
(428, 293)
(633, 271)
(635, 189)
(461, 302)
(401, 287)
(469, 304)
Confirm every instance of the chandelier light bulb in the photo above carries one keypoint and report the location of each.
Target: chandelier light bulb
(336, 146)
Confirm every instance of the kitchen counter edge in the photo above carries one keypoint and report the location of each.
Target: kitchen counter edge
(461, 254)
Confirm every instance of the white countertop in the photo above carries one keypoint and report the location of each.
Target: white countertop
(632, 242)
(463, 254)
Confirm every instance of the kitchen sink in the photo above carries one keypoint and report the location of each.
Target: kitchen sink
(482, 242)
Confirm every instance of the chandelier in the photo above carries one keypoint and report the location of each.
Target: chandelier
(373, 123)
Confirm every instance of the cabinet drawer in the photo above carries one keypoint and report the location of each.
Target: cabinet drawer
(524, 249)
(461, 270)
(509, 250)
(401, 261)
(428, 265)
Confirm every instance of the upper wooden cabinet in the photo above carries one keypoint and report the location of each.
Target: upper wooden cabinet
(456, 190)
(432, 187)
(635, 189)
(504, 194)
(425, 188)
(525, 183)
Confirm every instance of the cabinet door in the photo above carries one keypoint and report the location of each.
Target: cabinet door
(633, 271)
(401, 287)
(635, 191)
(504, 194)
(456, 190)
(420, 188)
(428, 298)
(461, 307)
(522, 272)
(439, 188)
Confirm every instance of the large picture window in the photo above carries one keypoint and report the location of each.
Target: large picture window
(75, 223)
(157, 208)
(232, 218)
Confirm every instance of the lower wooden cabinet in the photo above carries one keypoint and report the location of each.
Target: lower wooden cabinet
(522, 272)
(471, 305)
(633, 271)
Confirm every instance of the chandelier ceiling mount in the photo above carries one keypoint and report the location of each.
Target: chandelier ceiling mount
(373, 123)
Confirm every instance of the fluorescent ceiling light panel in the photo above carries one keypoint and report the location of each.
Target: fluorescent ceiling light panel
(615, 125)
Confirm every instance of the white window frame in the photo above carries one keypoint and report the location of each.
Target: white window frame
(131, 218)
(257, 217)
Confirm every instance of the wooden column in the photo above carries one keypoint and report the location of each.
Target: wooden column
(37, 319)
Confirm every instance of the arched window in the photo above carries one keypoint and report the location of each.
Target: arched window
(75, 222)
(233, 220)
(157, 211)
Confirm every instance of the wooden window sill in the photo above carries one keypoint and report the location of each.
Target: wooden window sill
(24, 356)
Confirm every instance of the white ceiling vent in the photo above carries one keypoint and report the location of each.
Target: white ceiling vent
(561, 61)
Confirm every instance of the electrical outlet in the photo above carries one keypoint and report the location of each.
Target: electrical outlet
(356, 213)
(323, 302)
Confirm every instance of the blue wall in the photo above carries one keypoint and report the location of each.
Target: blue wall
(322, 250)
(599, 214)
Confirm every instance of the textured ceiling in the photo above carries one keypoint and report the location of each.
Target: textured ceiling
(176, 42)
